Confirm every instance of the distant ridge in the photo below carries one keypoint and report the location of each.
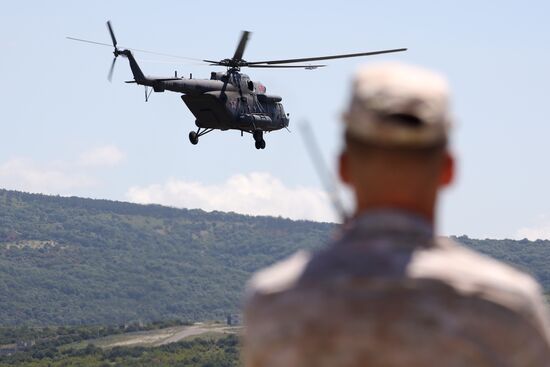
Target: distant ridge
(69, 260)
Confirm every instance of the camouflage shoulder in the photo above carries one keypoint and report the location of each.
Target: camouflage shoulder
(278, 277)
(472, 273)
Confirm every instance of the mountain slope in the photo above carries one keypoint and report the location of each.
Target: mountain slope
(73, 260)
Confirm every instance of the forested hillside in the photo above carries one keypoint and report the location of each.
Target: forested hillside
(73, 260)
(83, 261)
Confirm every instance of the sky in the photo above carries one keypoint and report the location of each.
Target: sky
(68, 131)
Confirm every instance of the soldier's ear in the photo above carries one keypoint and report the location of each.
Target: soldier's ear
(447, 170)
(343, 167)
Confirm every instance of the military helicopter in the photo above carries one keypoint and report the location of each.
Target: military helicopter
(228, 100)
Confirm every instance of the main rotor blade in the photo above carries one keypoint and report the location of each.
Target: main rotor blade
(254, 65)
(287, 61)
(111, 70)
(287, 66)
(94, 42)
(136, 49)
(110, 27)
(242, 44)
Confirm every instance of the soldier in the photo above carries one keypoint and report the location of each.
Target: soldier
(387, 291)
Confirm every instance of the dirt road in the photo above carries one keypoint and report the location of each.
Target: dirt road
(161, 336)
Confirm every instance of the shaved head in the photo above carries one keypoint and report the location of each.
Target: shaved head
(408, 178)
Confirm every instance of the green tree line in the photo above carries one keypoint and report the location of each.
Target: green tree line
(200, 352)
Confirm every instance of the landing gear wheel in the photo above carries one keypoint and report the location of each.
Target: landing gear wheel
(194, 137)
(260, 144)
(259, 139)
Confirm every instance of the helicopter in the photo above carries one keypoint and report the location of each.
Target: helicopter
(229, 100)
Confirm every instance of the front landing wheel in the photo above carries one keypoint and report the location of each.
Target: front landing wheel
(194, 137)
(260, 144)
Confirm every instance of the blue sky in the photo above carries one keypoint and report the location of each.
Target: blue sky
(67, 131)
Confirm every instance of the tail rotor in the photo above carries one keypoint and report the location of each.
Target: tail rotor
(111, 70)
(116, 52)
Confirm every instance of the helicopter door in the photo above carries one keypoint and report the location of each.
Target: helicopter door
(278, 113)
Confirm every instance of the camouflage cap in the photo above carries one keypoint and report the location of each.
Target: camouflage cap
(398, 105)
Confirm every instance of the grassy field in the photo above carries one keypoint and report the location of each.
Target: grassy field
(191, 345)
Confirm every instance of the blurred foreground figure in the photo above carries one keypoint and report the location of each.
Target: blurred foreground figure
(388, 292)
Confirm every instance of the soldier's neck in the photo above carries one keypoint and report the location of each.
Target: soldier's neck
(424, 209)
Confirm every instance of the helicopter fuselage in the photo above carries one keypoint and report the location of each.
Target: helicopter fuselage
(227, 101)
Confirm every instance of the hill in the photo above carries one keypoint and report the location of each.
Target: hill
(83, 261)
(73, 260)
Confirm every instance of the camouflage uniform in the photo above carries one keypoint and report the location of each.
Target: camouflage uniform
(389, 292)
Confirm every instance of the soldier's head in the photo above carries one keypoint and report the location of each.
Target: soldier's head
(396, 134)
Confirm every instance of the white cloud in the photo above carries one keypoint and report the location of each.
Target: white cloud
(23, 174)
(255, 193)
(540, 231)
(105, 156)
(58, 177)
